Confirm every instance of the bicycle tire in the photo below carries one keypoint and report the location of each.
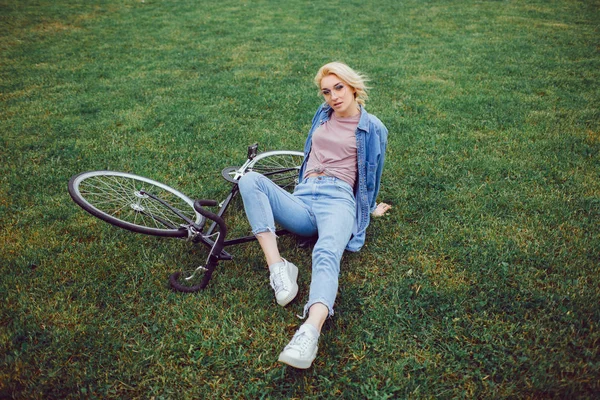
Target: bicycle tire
(281, 166)
(121, 199)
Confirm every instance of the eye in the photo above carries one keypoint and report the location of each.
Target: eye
(338, 87)
(326, 92)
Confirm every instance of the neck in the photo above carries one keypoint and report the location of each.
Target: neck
(352, 111)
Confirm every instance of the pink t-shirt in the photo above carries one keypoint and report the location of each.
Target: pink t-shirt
(333, 149)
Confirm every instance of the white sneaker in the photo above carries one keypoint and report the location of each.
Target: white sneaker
(302, 349)
(283, 280)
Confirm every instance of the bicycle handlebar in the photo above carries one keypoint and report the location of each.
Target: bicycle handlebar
(215, 252)
(198, 206)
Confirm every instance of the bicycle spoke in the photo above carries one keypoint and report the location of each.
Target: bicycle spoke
(157, 212)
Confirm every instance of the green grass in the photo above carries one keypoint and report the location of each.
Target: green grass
(482, 282)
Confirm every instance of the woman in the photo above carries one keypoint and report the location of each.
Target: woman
(339, 181)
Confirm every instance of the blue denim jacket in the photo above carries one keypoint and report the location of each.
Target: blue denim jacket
(371, 142)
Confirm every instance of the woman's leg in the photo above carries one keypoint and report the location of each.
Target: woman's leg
(327, 255)
(334, 208)
(317, 314)
(265, 203)
(268, 244)
(334, 211)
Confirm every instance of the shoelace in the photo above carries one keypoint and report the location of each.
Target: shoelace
(276, 279)
(300, 340)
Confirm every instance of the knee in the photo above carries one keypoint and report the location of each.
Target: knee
(327, 260)
(329, 248)
(248, 181)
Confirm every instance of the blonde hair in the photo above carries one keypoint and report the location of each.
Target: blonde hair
(352, 78)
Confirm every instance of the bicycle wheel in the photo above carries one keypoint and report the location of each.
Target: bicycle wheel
(132, 202)
(281, 166)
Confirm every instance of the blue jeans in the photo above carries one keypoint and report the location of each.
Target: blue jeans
(321, 205)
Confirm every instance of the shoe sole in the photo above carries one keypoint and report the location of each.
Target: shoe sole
(293, 362)
(284, 302)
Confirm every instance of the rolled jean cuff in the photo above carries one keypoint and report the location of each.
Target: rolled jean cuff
(313, 302)
(258, 231)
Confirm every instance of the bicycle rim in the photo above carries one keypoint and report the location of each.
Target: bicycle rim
(130, 202)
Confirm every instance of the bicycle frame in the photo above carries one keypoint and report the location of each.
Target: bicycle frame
(216, 246)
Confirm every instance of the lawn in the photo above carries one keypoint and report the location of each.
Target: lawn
(482, 282)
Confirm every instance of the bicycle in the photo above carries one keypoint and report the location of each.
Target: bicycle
(145, 206)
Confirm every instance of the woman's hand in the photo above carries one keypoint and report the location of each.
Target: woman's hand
(381, 209)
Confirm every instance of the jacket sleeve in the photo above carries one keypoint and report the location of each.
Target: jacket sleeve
(382, 134)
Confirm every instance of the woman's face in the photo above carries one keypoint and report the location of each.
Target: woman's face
(339, 95)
